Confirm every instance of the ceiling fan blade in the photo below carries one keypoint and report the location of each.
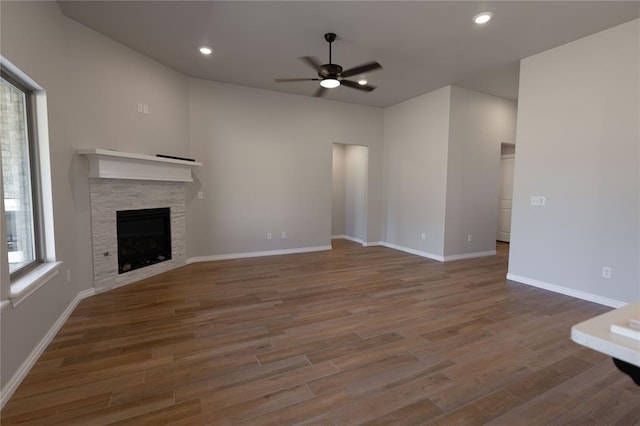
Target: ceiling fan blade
(313, 62)
(287, 80)
(320, 92)
(354, 85)
(371, 66)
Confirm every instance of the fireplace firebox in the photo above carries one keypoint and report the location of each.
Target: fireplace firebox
(144, 238)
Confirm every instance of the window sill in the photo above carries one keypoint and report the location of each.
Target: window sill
(26, 285)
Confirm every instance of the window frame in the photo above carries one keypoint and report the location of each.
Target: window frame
(34, 173)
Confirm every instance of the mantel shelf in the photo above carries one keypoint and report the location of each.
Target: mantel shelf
(108, 164)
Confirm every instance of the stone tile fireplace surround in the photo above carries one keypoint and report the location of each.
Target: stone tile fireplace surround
(120, 181)
(110, 195)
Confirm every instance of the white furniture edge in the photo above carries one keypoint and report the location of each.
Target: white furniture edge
(595, 333)
(108, 164)
(17, 378)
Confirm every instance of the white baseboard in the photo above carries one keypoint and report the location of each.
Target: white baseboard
(567, 291)
(364, 243)
(469, 255)
(256, 254)
(28, 363)
(437, 256)
(347, 237)
(373, 243)
(413, 251)
(357, 240)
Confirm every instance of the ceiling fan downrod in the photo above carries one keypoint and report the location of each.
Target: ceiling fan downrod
(330, 37)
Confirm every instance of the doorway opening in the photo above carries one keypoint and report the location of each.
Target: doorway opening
(507, 163)
(349, 199)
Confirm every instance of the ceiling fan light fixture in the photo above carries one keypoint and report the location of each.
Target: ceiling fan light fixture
(332, 75)
(330, 83)
(482, 18)
(205, 50)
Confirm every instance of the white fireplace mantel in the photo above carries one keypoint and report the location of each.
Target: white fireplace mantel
(108, 164)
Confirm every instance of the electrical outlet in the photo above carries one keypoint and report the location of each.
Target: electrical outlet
(145, 108)
(606, 272)
(284, 235)
(140, 107)
(200, 195)
(423, 236)
(469, 238)
(269, 236)
(538, 200)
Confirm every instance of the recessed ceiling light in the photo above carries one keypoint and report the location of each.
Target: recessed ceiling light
(206, 50)
(329, 83)
(482, 18)
(362, 82)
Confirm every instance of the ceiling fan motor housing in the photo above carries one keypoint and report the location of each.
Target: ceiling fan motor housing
(329, 71)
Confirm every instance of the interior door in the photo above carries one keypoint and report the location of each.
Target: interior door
(506, 197)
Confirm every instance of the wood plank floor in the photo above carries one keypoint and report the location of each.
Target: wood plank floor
(351, 336)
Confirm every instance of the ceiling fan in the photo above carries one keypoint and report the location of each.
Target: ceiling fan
(331, 75)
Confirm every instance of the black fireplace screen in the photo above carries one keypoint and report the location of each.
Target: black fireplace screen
(144, 238)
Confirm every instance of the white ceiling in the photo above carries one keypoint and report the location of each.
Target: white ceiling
(422, 45)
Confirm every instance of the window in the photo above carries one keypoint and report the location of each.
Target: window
(27, 259)
(20, 175)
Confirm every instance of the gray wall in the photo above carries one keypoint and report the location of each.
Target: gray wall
(442, 170)
(578, 140)
(337, 197)
(478, 124)
(93, 85)
(268, 166)
(355, 192)
(416, 134)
